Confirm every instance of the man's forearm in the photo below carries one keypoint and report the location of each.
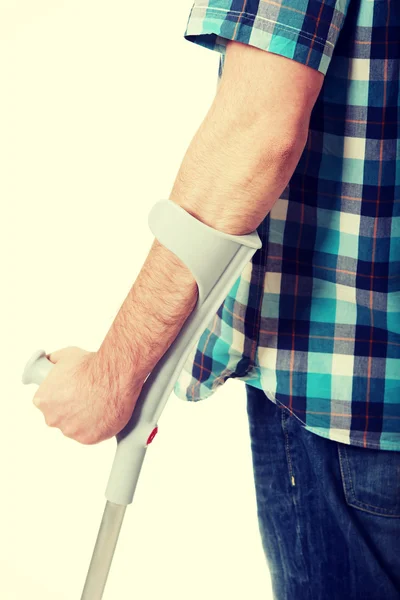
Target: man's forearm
(153, 313)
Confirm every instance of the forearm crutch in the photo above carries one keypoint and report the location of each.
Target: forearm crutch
(216, 260)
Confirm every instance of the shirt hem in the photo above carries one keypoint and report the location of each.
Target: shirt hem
(336, 437)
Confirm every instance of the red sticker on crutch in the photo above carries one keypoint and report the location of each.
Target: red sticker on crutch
(152, 435)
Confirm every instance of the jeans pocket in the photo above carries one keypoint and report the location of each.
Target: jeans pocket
(371, 479)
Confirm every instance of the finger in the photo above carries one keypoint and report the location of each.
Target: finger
(55, 356)
(58, 355)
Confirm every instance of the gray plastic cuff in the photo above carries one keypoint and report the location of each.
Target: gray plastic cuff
(205, 251)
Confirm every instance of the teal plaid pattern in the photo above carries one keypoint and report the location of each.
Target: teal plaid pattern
(314, 319)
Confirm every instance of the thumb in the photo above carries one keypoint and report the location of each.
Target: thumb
(64, 353)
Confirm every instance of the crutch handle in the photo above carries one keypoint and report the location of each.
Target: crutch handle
(37, 368)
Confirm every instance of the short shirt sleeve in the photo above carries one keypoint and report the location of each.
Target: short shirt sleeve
(303, 30)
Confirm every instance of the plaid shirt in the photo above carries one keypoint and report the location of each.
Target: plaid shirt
(314, 319)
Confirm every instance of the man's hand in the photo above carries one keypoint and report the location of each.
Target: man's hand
(83, 398)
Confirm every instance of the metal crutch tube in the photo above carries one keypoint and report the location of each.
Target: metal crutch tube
(216, 259)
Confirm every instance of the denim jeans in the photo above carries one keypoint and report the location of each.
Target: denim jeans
(328, 512)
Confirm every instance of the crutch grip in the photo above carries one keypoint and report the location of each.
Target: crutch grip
(37, 368)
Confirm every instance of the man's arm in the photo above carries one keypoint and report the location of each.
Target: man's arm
(237, 165)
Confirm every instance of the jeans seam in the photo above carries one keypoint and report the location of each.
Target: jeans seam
(287, 450)
(284, 418)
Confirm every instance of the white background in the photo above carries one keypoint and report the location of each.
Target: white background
(98, 104)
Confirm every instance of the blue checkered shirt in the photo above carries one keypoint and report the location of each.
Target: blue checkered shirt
(314, 319)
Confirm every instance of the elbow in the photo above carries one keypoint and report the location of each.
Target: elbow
(289, 144)
(279, 157)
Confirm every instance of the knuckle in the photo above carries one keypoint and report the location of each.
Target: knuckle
(37, 401)
(68, 432)
(89, 440)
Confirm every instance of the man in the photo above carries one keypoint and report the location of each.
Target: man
(301, 143)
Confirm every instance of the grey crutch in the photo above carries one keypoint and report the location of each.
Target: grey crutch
(216, 260)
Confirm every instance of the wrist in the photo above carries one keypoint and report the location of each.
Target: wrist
(119, 369)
